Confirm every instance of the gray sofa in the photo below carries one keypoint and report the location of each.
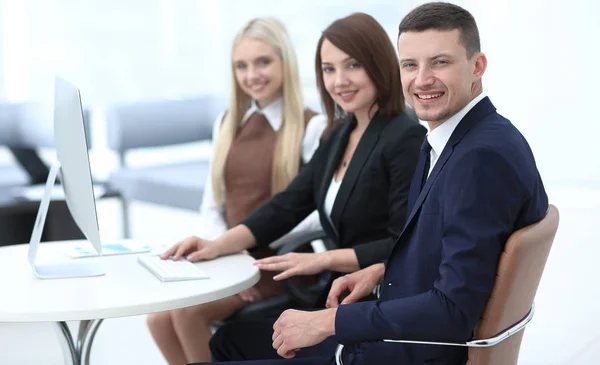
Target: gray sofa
(161, 123)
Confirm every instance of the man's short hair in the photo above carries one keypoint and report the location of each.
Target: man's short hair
(443, 16)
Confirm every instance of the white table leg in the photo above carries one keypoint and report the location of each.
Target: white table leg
(78, 353)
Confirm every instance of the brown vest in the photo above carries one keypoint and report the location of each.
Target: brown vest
(248, 172)
(249, 166)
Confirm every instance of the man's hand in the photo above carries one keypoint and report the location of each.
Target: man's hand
(292, 264)
(194, 247)
(298, 329)
(356, 285)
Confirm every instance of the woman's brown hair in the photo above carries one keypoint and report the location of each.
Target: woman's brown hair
(364, 39)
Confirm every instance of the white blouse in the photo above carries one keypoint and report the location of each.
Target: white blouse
(332, 192)
(212, 219)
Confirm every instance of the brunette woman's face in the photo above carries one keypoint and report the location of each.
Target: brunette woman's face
(346, 80)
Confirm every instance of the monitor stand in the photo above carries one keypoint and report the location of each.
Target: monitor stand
(59, 270)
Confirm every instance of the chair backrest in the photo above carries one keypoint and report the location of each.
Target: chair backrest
(162, 122)
(519, 272)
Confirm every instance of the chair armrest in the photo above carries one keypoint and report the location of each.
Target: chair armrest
(484, 342)
(293, 241)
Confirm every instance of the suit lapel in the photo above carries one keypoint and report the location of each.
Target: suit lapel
(337, 149)
(362, 153)
(477, 113)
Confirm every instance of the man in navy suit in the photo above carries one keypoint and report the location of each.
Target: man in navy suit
(475, 184)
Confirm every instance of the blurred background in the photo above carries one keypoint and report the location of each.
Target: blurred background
(542, 75)
(541, 57)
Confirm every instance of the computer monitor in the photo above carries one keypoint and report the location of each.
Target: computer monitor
(73, 164)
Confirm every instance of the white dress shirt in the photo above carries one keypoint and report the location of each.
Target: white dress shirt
(438, 138)
(212, 219)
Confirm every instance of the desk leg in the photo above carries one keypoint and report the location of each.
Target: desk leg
(78, 353)
(68, 347)
(86, 339)
(83, 326)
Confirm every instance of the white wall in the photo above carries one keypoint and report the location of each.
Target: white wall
(543, 75)
(542, 57)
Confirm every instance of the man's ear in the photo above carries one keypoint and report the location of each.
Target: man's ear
(480, 65)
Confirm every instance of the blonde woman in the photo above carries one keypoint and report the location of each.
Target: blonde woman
(261, 141)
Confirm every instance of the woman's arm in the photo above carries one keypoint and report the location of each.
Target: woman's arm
(294, 264)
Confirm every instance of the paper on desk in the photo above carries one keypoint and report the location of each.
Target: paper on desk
(36, 192)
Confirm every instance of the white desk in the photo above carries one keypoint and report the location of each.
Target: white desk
(127, 289)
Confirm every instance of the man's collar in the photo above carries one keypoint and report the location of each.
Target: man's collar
(438, 137)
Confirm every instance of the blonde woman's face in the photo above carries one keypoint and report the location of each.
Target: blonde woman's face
(258, 70)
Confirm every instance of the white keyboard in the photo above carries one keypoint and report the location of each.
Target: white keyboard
(169, 270)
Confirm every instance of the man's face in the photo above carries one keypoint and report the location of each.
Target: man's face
(438, 79)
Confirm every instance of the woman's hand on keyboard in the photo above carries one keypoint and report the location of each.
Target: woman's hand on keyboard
(193, 248)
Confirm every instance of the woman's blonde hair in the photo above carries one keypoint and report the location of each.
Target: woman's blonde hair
(288, 148)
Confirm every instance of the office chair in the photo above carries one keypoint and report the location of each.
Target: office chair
(500, 330)
(160, 123)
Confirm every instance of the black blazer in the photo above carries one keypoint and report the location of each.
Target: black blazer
(369, 211)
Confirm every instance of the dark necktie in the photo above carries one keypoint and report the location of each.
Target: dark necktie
(425, 154)
(420, 175)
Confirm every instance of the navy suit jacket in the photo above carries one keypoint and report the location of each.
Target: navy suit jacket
(440, 273)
